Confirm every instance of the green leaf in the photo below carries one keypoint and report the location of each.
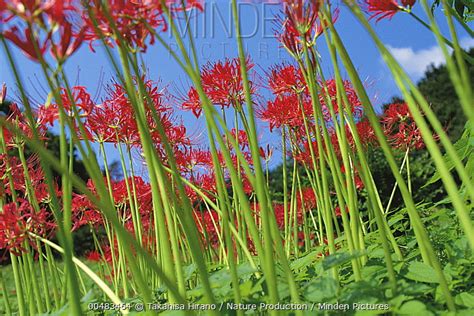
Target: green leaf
(464, 148)
(465, 299)
(321, 289)
(418, 271)
(339, 258)
(305, 260)
(414, 308)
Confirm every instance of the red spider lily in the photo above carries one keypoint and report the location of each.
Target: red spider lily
(306, 199)
(337, 211)
(93, 256)
(22, 126)
(329, 92)
(241, 137)
(302, 153)
(206, 182)
(359, 184)
(115, 120)
(289, 38)
(400, 127)
(222, 83)
(69, 41)
(142, 193)
(279, 211)
(84, 212)
(192, 102)
(286, 111)
(129, 19)
(208, 224)
(301, 23)
(25, 41)
(286, 79)
(364, 130)
(32, 11)
(192, 160)
(266, 153)
(381, 9)
(81, 100)
(135, 21)
(48, 24)
(18, 221)
(301, 15)
(11, 166)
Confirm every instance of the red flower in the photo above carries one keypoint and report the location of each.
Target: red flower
(81, 101)
(359, 184)
(222, 83)
(266, 153)
(17, 221)
(303, 154)
(400, 127)
(115, 120)
(301, 22)
(365, 132)
(306, 199)
(84, 212)
(279, 210)
(70, 41)
(208, 224)
(21, 123)
(301, 15)
(38, 25)
(206, 182)
(192, 102)
(240, 137)
(329, 92)
(286, 79)
(381, 9)
(191, 159)
(25, 41)
(337, 211)
(286, 111)
(134, 20)
(93, 256)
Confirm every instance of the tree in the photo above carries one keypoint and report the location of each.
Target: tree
(439, 91)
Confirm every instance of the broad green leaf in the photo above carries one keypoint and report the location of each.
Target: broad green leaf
(418, 271)
(465, 299)
(464, 148)
(338, 259)
(321, 289)
(305, 260)
(414, 308)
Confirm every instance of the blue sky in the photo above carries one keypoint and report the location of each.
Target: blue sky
(414, 46)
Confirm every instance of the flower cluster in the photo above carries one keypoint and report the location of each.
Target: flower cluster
(222, 83)
(381, 9)
(400, 127)
(60, 27)
(18, 221)
(40, 26)
(301, 24)
(28, 212)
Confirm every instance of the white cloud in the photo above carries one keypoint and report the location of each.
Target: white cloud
(416, 62)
